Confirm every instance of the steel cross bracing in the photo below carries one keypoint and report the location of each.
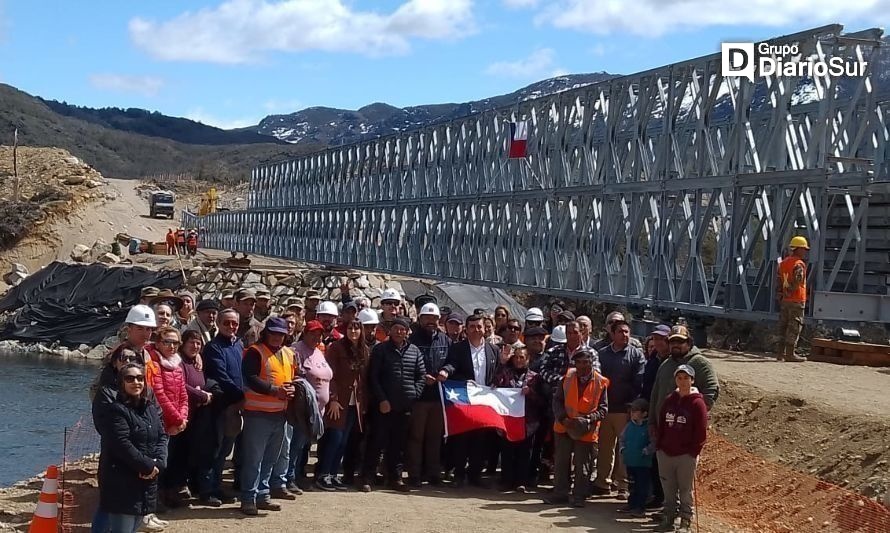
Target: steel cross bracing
(674, 187)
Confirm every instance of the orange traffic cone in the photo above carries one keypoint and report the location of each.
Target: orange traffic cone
(46, 516)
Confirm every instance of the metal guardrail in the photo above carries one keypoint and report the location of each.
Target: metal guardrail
(674, 187)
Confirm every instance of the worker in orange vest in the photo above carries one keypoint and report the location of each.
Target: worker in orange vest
(180, 240)
(269, 369)
(580, 403)
(192, 242)
(791, 291)
(171, 242)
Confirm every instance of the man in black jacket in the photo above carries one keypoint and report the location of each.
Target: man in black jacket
(396, 379)
(471, 360)
(427, 422)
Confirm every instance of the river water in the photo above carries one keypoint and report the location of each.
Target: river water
(39, 397)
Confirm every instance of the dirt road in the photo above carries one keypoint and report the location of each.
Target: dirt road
(123, 210)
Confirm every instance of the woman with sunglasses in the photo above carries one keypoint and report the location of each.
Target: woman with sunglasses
(133, 452)
(168, 385)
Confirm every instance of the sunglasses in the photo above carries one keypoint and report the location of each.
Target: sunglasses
(128, 359)
(514, 328)
(170, 342)
(134, 378)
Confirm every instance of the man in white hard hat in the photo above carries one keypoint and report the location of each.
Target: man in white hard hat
(427, 426)
(389, 310)
(327, 314)
(370, 321)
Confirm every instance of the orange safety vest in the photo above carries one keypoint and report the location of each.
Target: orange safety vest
(583, 405)
(790, 293)
(275, 371)
(380, 334)
(193, 239)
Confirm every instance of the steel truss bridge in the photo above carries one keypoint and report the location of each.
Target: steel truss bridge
(674, 188)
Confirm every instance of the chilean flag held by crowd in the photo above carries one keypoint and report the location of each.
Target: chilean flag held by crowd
(469, 406)
(518, 139)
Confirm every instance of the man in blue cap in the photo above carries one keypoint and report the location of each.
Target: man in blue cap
(660, 350)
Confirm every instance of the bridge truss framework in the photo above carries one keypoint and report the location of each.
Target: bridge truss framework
(673, 188)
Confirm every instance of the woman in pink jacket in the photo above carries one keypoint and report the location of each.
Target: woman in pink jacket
(169, 387)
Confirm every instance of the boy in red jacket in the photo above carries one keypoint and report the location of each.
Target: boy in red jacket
(682, 431)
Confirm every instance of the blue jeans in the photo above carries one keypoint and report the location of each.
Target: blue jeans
(124, 523)
(101, 522)
(281, 472)
(641, 482)
(294, 460)
(333, 445)
(261, 442)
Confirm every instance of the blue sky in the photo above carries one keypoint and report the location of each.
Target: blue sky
(229, 63)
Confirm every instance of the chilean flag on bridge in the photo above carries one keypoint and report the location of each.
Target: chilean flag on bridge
(468, 406)
(518, 139)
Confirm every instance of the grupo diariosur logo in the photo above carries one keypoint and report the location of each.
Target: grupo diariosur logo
(764, 59)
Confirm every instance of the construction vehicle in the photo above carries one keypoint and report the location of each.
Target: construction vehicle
(209, 202)
(162, 203)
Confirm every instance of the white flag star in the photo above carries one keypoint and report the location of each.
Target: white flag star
(452, 395)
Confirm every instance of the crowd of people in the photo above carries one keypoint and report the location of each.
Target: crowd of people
(200, 389)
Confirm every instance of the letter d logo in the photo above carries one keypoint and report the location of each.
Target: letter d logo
(737, 60)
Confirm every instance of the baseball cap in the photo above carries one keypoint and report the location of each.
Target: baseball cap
(296, 302)
(313, 295)
(245, 294)
(206, 305)
(149, 292)
(445, 310)
(662, 331)
(535, 332)
(685, 369)
(534, 314)
(227, 295)
(679, 332)
(276, 324)
(313, 325)
(352, 304)
(263, 295)
(141, 315)
(567, 315)
(430, 309)
(454, 317)
(401, 321)
(640, 404)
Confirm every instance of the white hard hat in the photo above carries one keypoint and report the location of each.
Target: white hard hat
(559, 335)
(534, 314)
(430, 309)
(142, 315)
(390, 294)
(327, 308)
(368, 317)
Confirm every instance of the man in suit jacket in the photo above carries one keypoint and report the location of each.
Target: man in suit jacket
(472, 359)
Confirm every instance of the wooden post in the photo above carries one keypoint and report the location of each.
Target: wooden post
(15, 165)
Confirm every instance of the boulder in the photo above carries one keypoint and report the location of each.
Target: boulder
(373, 292)
(17, 273)
(362, 282)
(92, 184)
(282, 290)
(334, 295)
(74, 180)
(317, 283)
(108, 258)
(376, 281)
(294, 281)
(395, 285)
(80, 253)
(214, 277)
(233, 277)
(332, 281)
(99, 248)
(253, 277)
(206, 287)
(270, 280)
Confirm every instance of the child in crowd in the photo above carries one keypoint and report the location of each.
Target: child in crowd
(637, 451)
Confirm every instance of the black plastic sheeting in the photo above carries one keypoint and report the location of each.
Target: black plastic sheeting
(77, 304)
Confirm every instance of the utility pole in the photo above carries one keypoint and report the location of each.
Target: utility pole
(15, 165)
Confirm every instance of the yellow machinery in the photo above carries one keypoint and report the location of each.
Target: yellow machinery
(208, 202)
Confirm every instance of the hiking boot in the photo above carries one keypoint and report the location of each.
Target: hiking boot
(685, 525)
(293, 488)
(249, 508)
(281, 493)
(666, 524)
(268, 505)
(364, 485)
(210, 501)
(325, 484)
(398, 485)
(622, 494)
(339, 485)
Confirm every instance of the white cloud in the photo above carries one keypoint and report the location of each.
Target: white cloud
(144, 85)
(240, 31)
(657, 17)
(199, 115)
(520, 4)
(539, 64)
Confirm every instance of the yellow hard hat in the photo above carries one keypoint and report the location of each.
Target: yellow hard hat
(799, 242)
